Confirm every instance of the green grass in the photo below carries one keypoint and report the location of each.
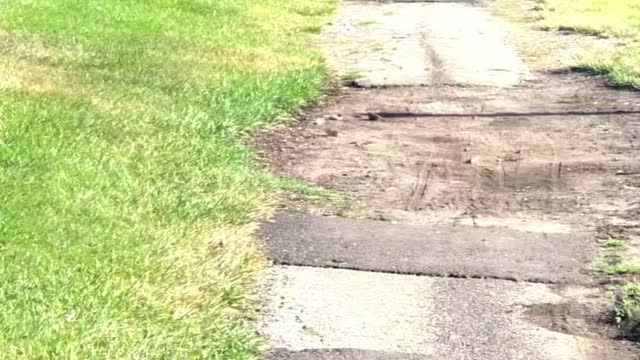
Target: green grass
(614, 243)
(351, 76)
(621, 269)
(627, 309)
(618, 19)
(128, 201)
(615, 264)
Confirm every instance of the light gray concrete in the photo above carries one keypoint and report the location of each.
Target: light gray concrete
(436, 318)
(471, 46)
(325, 309)
(421, 44)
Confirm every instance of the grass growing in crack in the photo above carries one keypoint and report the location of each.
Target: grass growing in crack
(627, 305)
(627, 309)
(127, 199)
(621, 269)
(614, 243)
(594, 17)
(613, 257)
(351, 76)
(615, 19)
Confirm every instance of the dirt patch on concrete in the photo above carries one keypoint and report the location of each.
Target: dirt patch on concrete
(566, 151)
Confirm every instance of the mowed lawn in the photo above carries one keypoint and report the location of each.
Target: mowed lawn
(126, 196)
(618, 19)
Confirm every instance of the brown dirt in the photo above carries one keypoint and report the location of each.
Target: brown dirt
(560, 149)
(583, 312)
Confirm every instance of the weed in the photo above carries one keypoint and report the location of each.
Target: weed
(627, 309)
(621, 269)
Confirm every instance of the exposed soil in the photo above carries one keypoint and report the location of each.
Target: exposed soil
(574, 318)
(565, 150)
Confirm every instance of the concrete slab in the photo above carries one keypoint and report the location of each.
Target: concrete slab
(460, 251)
(420, 43)
(471, 46)
(314, 313)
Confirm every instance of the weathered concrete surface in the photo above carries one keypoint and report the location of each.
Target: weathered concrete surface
(554, 169)
(415, 43)
(388, 316)
(326, 309)
(462, 251)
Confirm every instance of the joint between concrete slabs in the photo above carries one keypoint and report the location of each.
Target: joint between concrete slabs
(421, 274)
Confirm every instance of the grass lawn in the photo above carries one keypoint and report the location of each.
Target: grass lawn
(127, 199)
(609, 18)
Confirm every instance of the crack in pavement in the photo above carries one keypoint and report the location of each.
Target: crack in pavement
(390, 115)
(417, 274)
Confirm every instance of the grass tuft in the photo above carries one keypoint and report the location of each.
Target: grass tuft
(614, 243)
(627, 309)
(621, 269)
